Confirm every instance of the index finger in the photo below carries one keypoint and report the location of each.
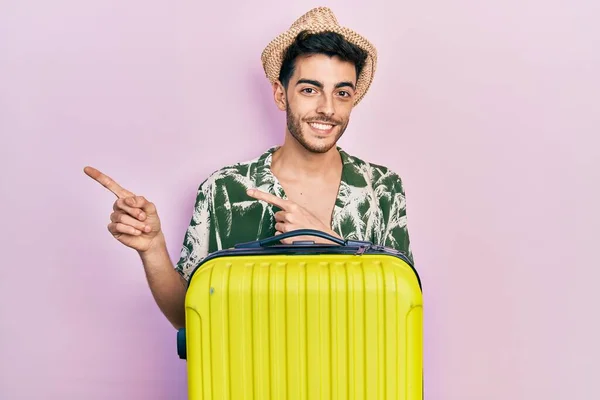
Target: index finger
(107, 182)
(269, 198)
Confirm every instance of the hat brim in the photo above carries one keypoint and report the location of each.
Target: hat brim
(272, 55)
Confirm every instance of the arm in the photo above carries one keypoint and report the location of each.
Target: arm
(166, 285)
(168, 282)
(135, 223)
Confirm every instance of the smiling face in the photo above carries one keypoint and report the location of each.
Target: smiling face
(318, 100)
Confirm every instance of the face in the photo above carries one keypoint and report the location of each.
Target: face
(318, 101)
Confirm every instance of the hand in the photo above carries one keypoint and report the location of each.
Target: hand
(134, 221)
(292, 217)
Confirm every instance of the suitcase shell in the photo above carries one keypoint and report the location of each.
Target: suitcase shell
(304, 321)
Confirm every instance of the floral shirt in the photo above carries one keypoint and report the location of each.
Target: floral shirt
(370, 206)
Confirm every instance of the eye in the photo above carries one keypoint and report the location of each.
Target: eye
(305, 90)
(343, 93)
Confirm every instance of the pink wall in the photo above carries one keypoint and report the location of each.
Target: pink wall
(489, 110)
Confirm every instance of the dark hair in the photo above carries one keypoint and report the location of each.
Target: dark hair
(329, 43)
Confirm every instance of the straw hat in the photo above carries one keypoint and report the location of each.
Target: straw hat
(320, 19)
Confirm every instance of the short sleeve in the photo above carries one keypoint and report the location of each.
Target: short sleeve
(395, 223)
(197, 237)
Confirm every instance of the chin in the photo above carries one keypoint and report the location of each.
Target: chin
(314, 141)
(319, 149)
(319, 145)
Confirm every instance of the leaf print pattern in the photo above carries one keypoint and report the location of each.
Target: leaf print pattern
(371, 205)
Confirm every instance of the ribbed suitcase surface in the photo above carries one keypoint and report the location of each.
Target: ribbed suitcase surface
(325, 326)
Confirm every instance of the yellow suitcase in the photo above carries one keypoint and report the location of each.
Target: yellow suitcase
(268, 321)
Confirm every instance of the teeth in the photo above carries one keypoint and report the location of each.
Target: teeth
(323, 127)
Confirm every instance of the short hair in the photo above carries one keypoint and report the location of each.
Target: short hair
(328, 43)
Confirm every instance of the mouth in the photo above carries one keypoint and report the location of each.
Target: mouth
(321, 127)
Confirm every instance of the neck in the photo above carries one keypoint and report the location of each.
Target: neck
(292, 159)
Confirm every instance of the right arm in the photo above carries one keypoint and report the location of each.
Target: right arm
(166, 284)
(135, 223)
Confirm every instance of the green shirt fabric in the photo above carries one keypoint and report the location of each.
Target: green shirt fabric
(370, 205)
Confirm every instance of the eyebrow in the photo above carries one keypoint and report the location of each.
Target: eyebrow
(320, 85)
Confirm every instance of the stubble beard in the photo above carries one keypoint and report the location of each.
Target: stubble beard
(294, 126)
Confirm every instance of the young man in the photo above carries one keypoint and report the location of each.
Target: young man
(319, 72)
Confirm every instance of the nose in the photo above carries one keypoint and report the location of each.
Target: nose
(326, 106)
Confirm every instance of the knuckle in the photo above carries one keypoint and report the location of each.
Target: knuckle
(126, 203)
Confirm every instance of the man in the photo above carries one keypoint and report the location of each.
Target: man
(319, 72)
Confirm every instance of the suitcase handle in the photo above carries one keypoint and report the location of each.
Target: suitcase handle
(299, 232)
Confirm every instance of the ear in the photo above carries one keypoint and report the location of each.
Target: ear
(279, 95)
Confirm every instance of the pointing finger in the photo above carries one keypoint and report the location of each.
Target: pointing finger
(107, 182)
(269, 198)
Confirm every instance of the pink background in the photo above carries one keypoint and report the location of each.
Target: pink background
(489, 111)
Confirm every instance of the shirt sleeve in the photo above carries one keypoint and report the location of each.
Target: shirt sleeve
(395, 223)
(197, 237)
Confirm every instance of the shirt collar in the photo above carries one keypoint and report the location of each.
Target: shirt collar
(267, 180)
